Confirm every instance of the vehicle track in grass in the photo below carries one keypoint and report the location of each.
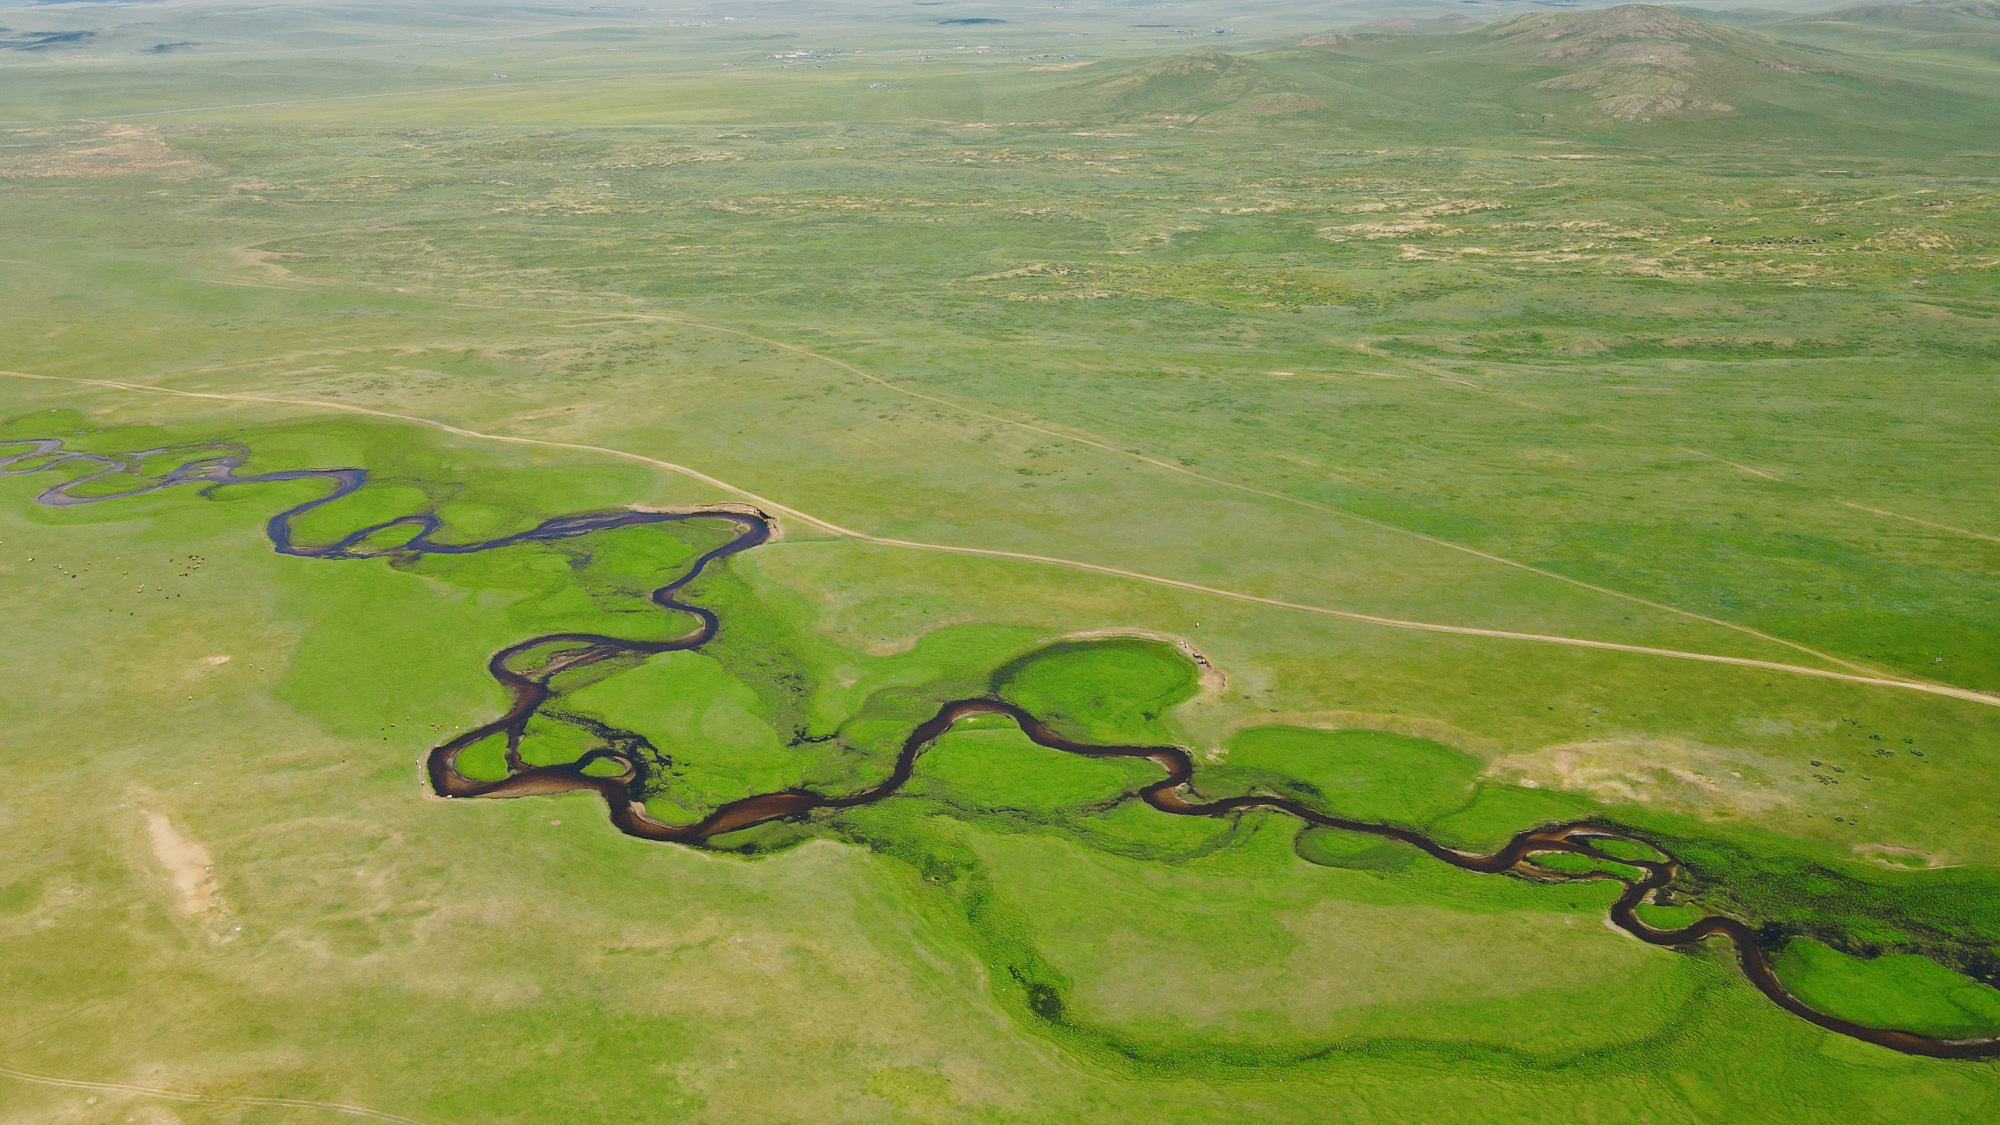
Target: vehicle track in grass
(839, 531)
(1045, 429)
(205, 1099)
(1035, 425)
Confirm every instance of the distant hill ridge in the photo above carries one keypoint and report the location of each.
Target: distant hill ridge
(1919, 14)
(1958, 26)
(1649, 63)
(1639, 62)
(1578, 34)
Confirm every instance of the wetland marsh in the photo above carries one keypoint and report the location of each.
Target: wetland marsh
(1242, 563)
(623, 768)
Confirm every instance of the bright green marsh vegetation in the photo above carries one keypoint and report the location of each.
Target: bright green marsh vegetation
(1105, 691)
(1671, 329)
(1899, 990)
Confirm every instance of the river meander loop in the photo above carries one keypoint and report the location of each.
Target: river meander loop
(526, 679)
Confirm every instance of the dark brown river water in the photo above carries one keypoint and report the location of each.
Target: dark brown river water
(1174, 793)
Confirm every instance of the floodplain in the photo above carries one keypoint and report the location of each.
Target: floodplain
(1562, 419)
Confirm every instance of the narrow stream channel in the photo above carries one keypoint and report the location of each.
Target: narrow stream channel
(1174, 793)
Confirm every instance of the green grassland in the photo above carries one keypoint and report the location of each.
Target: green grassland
(1075, 902)
(1503, 328)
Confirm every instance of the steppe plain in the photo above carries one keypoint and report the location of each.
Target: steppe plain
(1462, 418)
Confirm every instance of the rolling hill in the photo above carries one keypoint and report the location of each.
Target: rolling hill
(1199, 85)
(1638, 62)
(1922, 15)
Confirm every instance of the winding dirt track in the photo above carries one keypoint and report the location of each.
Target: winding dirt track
(205, 1099)
(1924, 523)
(527, 681)
(768, 505)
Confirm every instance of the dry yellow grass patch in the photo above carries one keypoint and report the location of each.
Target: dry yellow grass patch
(112, 150)
(1641, 771)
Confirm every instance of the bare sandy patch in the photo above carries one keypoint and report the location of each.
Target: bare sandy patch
(1890, 855)
(1398, 229)
(735, 507)
(1035, 270)
(187, 864)
(1911, 239)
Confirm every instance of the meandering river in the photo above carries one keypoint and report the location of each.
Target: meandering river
(1175, 793)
